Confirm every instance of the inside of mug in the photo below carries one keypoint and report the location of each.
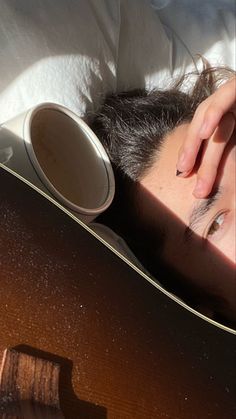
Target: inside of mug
(69, 158)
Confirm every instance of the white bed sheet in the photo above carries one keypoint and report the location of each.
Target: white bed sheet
(61, 51)
(206, 27)
(74, 52)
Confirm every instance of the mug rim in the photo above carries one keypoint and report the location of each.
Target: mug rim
(90, 135)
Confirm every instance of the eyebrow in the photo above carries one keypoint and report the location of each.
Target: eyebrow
(199, 212)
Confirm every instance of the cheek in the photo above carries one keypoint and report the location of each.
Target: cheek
(227, 245)
(204, 267)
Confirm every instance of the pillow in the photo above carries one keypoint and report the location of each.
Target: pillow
(74, 52)
(60, 51)
(203, 27)
(147, 53)
(162, 39)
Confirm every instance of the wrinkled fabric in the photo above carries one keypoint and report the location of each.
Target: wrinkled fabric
(74, 52)
(56, 51)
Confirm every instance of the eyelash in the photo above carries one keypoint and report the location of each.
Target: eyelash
(212, 230)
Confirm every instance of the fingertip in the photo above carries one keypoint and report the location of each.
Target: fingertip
(200, 190)
(199, 194)
(182, 165)
(186, 160)
(182, 174)
(181, 161)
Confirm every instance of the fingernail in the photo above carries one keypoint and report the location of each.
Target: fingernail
(181, 174)
(199, 189)
(181, 162)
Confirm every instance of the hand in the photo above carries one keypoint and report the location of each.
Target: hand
(214, 122)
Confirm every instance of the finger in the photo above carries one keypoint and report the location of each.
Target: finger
(222, 101)
(204, 123)
(192, 142)
(189, 151)
(190, 148)
(212, 155)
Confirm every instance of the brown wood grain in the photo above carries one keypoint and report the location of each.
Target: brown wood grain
(29, 385)
(125, 349)
(31, 411)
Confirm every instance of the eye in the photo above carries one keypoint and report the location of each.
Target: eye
(216, 224)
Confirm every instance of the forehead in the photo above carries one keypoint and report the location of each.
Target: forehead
(168, 201)
(161, 181)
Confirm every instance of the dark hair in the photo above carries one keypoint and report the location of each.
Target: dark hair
(132, 126)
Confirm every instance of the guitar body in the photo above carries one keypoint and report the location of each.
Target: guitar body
(125, 349)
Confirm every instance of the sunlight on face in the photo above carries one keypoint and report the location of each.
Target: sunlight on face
(212, 220)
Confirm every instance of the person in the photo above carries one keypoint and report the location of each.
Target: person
(173, 153)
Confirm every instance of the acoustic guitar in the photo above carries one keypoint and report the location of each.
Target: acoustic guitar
(84, 334)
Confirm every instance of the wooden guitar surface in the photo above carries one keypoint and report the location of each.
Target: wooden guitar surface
(125, 350)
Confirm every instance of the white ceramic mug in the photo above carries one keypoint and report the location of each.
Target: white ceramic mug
(56, 151)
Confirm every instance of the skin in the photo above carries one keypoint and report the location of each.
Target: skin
(205, 152)
(214, 121)
(207, 258)
(176, 193)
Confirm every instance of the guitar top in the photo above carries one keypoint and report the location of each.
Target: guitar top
(125, 349)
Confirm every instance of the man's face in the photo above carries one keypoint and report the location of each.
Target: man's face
(201, 232)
